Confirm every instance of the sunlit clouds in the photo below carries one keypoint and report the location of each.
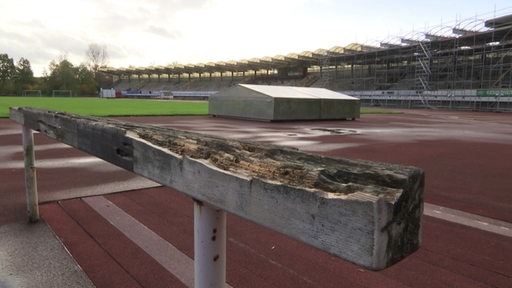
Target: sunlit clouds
(160, 32)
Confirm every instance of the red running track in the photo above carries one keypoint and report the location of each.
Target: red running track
(466, 157)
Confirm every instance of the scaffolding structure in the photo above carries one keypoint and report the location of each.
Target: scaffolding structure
(475, 60)
(466, 68)
(473, 56)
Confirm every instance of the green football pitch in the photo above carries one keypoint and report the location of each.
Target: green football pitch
(118, 107)
(107, 107)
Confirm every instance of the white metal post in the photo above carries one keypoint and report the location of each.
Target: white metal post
(209, 246)
(30, 175)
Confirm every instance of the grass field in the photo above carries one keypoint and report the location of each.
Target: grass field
(106, 107)
(117, 107)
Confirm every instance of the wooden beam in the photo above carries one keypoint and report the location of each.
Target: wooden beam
(366, 212)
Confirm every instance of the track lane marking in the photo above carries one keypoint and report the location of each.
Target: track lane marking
(468, 219)
(170, 257)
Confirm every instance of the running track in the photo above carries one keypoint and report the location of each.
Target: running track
(142, 237)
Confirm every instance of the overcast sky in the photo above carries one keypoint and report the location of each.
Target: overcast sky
(161, 32)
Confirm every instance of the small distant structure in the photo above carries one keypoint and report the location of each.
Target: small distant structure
(139, 94)
(283, 103)
(107, 93)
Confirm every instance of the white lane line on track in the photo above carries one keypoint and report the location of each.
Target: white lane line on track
(468, 219)
(444, 213)
(182, 266)
(40, 147)
(6, 132)
(172, 259)
(175, 261)
(69, 162)
(134, 183)
(9, 151)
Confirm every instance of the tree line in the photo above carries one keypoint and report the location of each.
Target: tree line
(83, 80)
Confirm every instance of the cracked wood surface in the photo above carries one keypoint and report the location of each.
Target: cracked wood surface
(366, 212)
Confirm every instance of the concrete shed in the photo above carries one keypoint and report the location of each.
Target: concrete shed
(283, 103)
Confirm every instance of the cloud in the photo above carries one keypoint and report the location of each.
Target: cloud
(159, 32)
(163, 32)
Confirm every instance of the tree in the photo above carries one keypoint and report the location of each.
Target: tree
(63, 76)
(97, 57)
(24, 78)
(7, 72)
(86, 80)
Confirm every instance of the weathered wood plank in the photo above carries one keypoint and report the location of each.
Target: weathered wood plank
(366, 212)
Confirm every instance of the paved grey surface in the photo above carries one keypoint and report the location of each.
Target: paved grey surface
(31, 256)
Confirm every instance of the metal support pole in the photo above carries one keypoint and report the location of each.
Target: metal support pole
(209, 246)
(30, 175)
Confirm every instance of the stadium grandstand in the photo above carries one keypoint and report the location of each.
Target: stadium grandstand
(467, 65)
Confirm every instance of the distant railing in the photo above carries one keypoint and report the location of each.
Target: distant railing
(158, 94)
(498, 100)
(193, 93)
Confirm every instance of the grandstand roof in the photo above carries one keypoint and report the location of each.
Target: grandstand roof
(468, 32)
(503, 21)
(303, 59)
